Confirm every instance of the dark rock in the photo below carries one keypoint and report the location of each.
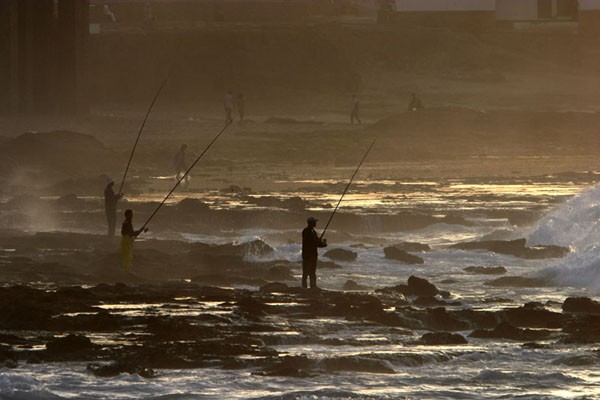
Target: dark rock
(486, 270)
(393, 253)
(421, 287)
(352, 285)
(581, 305)
(440, 319)
(191, 207)
(585, 360)
(583, 329)
(70, 202)
(428, 301)
(357, 364)
(507, 331)
(280, 273)
(517, 281)
(515, 248)
(412, 247)
(118, 367)
(69, 344)
(341, 255)
(534, 316)
(328, 265)
(442, 338)
(274, 287)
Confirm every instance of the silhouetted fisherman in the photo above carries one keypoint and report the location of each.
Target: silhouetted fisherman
(354, 111)
(310, 243)
(415, 103)
(110, 205)
(180, 165)
(128, 235)
(241, 105)
(228, 104)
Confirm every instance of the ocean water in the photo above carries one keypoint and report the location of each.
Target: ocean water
(483, 369)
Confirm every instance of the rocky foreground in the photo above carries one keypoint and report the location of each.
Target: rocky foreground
(142, 328)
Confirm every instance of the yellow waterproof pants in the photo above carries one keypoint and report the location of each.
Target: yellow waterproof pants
(126, 252)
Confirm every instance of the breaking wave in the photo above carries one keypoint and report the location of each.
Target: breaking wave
(574, 224)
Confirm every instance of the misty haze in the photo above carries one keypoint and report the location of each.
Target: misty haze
(299, 199)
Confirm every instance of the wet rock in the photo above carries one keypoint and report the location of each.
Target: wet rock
(442, 338)
(328, 265)
(251, 308)
(440, 319)
(274, 287)
(118, 367)
(584, 360)
(515, 248)
(581, 305)
(69, 344)
(341, 255)
(421, 287)
(583, 329)
(518, 281)
(290, 366)
(191, 207)
(412, 247)
(393, 253)
(485, 270)
(279, 273)
(352, 285)
(507, 331)
(428, 301)
(357, 364)
(70, 202)
(535, 316)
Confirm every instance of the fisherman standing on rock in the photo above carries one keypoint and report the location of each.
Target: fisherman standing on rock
(110, 205)
(310, 243)
(128, 235)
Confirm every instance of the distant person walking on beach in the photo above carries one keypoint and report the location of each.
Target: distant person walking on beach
(355, 110)
(228, 104)
(110, 205)
(415, 103)
(240, 104)
(128, 235)
(310, 243)
(180, 166)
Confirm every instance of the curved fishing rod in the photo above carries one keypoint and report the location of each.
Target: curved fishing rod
(185, 175)
(346, 189)
(140, 132)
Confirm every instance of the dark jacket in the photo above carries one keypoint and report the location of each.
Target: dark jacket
(310, 243)
(110, 199)
(127, 229)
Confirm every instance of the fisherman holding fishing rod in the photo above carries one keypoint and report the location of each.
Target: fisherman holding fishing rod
(311, 241)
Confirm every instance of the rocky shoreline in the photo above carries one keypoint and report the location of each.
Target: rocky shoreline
(142, 328)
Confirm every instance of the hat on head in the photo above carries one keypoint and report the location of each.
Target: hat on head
(311, 219)
(109, 181)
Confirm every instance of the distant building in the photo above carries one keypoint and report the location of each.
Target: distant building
(589, 17)
(537, 10)
(473, 15)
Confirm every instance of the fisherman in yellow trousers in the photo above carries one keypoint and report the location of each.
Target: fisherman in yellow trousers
(128, 235)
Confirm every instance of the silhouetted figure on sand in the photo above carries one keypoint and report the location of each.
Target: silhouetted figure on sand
(241, 105)
(110, 205)
(355, 108)
(415, 103)
(180, 165)
(228, 104)
(310, 243)
(128, 235)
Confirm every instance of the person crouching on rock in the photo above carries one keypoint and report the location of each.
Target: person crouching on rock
(310, 243)
(128, 235)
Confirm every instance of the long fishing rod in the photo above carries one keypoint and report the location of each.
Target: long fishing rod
(185, 175)
(140, 132)
(346, 189)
